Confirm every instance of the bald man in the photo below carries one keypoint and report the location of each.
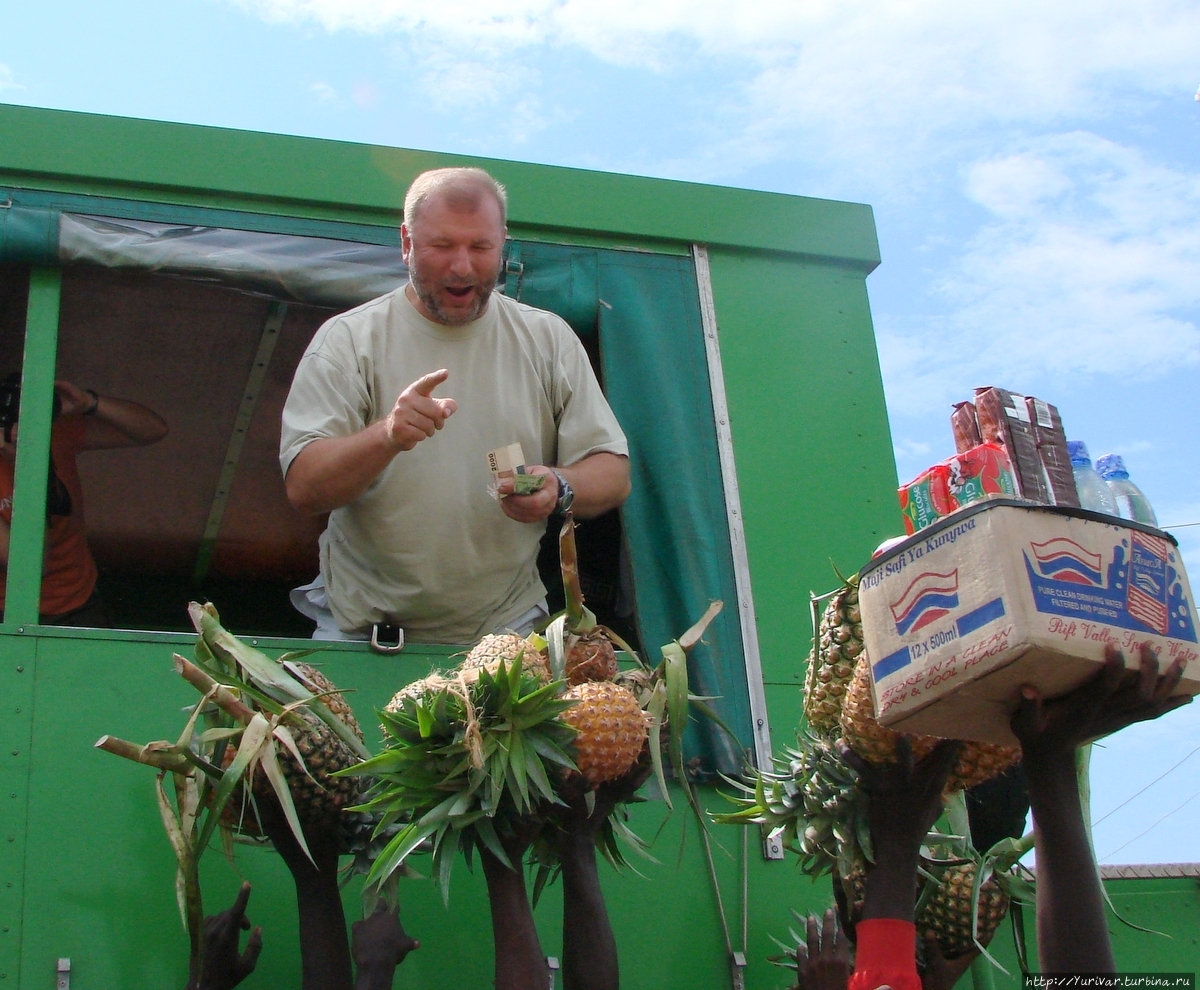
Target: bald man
(393, 410)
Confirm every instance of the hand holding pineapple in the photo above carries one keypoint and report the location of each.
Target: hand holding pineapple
(379, 944)
(905, 800)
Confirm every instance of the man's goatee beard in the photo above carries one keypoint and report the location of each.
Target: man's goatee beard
(482, 293)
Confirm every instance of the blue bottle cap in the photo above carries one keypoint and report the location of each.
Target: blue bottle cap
(1111, 466)
(1078, 452)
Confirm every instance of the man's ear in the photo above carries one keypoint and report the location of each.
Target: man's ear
(405, 243)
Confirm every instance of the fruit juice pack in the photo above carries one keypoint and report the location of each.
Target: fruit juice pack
(926, 498)
(977, 473)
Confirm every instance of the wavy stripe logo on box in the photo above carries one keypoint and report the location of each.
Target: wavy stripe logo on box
(925, 600)
(1065, 560)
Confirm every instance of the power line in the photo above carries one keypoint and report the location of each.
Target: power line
(1147, 787)
(1155, 825)
(1180, 525)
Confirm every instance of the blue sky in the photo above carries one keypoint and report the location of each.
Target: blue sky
(1033, 169)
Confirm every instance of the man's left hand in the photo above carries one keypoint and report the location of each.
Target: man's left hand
(533, 508)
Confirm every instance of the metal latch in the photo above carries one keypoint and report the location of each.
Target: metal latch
(386, 638)
(64, 975)
(737, 970)
(552, 965)
(773, 845)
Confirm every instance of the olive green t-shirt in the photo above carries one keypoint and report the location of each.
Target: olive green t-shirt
(426, 546)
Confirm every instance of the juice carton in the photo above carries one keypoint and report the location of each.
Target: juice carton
(926, 498)
(1004, 419)
(979, 472)
(1051, 440)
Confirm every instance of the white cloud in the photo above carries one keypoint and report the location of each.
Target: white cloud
(7, 79)
(325, 94)
(1089, 264)
(867, 79)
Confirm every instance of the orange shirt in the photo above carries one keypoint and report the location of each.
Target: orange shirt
(69, 572)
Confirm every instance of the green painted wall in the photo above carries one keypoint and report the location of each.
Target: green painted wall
(85, 870)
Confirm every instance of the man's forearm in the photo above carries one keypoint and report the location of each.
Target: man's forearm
(601, 482)
(334, 471)
(589, 946)
(891, 884)
(519, 961)
(1072, 933)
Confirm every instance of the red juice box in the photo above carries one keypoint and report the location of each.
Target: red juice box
(979, 472)
(926, 498)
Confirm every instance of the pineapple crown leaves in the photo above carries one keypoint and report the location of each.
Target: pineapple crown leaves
(814, 799)
(462, 760)
(270, 678)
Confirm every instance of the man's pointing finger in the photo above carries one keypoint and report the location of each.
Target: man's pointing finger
(427, 383)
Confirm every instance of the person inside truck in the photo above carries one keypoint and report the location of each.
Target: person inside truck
(414, 538)
(83, 420)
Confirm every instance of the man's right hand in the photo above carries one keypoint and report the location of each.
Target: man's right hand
(333, 471)
(417, 415)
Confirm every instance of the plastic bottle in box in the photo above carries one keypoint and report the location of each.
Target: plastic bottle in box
(1093, 492)
(1131, 503)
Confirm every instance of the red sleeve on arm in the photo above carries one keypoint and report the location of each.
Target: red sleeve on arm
(886, 955)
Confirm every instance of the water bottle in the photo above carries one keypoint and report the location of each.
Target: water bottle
(1093, 493)
(1131, 503)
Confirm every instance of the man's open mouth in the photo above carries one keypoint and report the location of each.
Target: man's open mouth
(459, 291)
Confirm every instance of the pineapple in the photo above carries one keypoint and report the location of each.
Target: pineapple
(611, 729)
(836, 647)
(589, 651)
(947, 913)
(315, 793)
(813, 796)
(432, 684)
(592, 658)
(876, 743)
(493, 650)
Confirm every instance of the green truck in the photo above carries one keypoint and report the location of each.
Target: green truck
(187, 267)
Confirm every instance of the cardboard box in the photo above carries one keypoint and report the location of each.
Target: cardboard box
(1004, 593)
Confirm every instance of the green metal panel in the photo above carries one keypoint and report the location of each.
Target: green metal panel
(339, 180)
(98, 875)
(16, 729)
(23, 589)
(811, 437)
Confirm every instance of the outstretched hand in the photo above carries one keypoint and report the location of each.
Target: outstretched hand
(823, 961)
(577, 820)
(1111, 700)
(940, 973)
(379, 944)
(223, 965)
(905, 799)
